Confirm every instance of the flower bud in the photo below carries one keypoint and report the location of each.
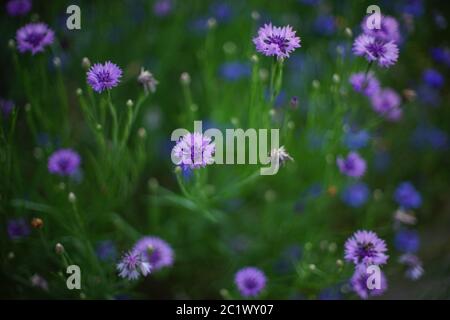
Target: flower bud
(72, 197)
(185, 78)
(212, 22)
(37, 223)
(142, 133)
(59, 248)
(348, 32)
(57, 62)
(86, 63)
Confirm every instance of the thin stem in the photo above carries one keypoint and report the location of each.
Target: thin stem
(112, 110)
(369, 65)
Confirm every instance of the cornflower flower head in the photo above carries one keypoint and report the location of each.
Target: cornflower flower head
(281, 154)
(34, 37)
(414, 268)
(364, 247)
(17, 229)
(147, 80)
(193, 151)
(355, 195)
(64, 162)
(250, 281)
(389, 29)
(366, 84)
(103, 77)
(356, 139)
(407, 196)
(360, 284)
(376, 50)
(133, 265)
(18, 7)
(433, 78)
(162, 8)
(274, 41)
(106, 250)
(39, 282)
(353, 165)
(156, 251)
(387, 104)
(407, 241)
(6, 106)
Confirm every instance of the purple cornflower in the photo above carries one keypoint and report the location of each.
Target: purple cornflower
(438, 139)
(235, 70)
(6, 106)
(411, 7)
(407, 196)
(364, 247)
(365, 84)
(162, 8)
(276, 41)
(64, 162)
(34, 37)
(325, 25)
(433, 78)
(389, 29)
(39, 282)
(280, 154)
(250, 281)
(355, 139)
(132, 266)
(106, 250)
(360, 284)
(407, 241)
(355, 195)
(387, 104)
(429, 96)
(384, 53)
(18, 228)
(194, 150)
(414, 266)
(104, 76)
(441, 55)
(352, 166)
(18, 7)
(294, 102)
(221, 11)
(155, 251)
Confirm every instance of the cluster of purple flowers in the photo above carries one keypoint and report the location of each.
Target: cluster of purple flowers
(365, 249)
(378, 45)
(385, 101)
(148, 254)
(407, 241)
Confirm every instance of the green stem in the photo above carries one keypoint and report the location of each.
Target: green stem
(115, 127)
